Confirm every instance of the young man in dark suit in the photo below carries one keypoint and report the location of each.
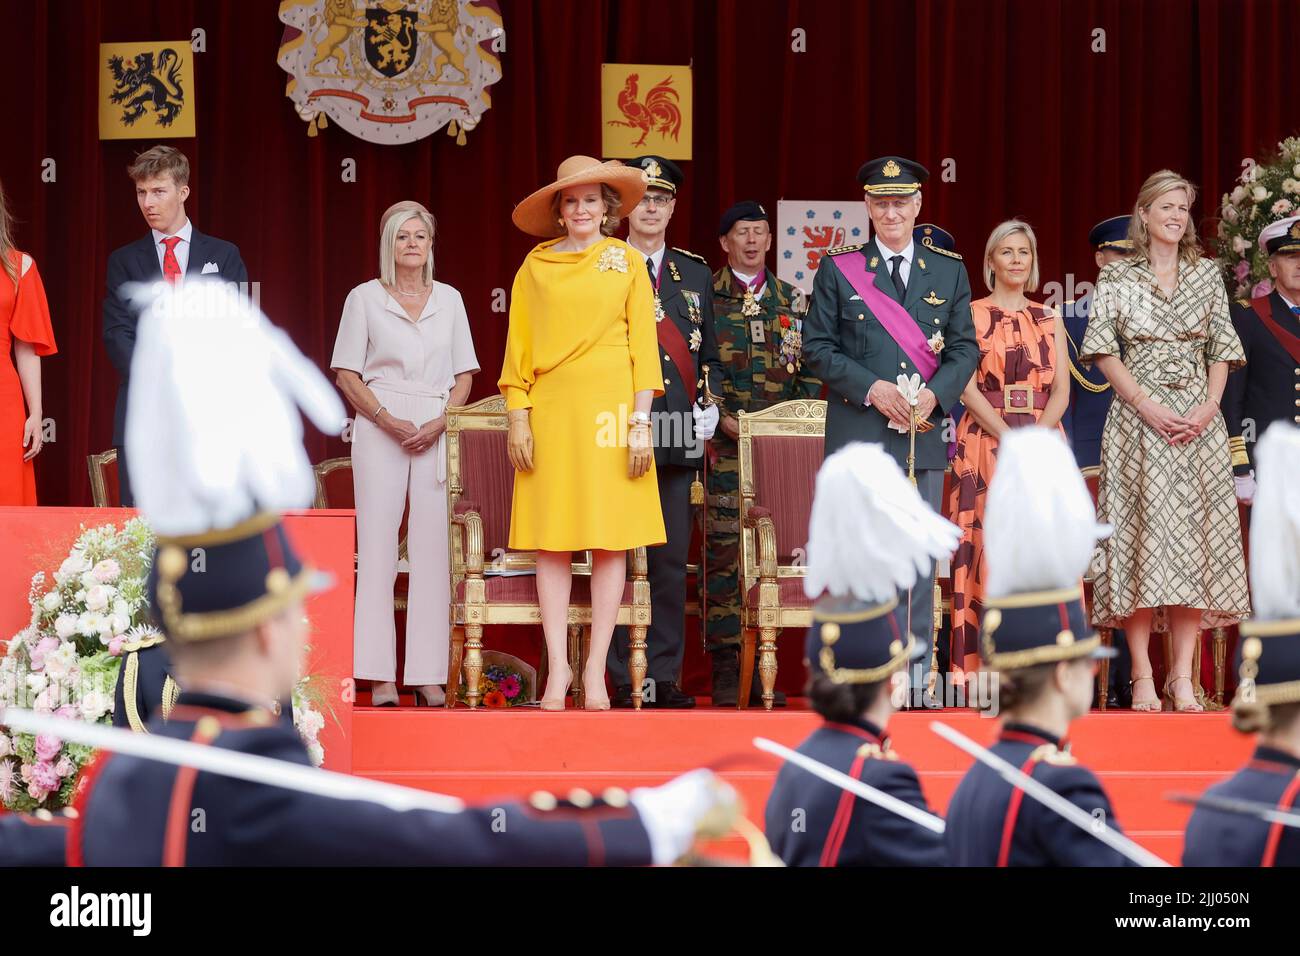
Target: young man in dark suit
(172, 249)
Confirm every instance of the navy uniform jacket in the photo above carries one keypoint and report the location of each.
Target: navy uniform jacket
(686, 287)
(136, 812)
(810, 822)
(992, 823)
(1267, 387)
(845, 346)
(144, 688)
(33, 840)
(138, 262)
(1216, 838)
(1085, 417)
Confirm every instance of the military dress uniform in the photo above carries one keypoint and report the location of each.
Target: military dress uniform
(848, 346)
(810, 822)
(762, 365)
(1268, 663)
(991, 822)
(145, 687)
(688, 345)
(1267, 388)
(1090, 392)
(38, 839)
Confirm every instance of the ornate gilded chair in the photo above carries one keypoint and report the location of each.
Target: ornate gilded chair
(334, 489)
(490, 584)
(780, 454)
(105, 491)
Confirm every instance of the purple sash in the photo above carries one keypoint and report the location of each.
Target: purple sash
(896, 320)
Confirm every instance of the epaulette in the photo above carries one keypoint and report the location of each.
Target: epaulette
(840, 250)
(877, 752)
(945, 252)
(144, 642)
(1244, 303)
(691, 255)
(1051, 754)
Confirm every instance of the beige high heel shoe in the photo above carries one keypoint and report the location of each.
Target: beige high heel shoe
(598, 703)
(1182, 705)
(557, 703)
(1145, 706)
(433, 696)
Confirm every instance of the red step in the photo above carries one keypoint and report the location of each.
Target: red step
(483, 755)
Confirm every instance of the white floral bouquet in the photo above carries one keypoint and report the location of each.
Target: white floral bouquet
(66, 660)
(1264, 193)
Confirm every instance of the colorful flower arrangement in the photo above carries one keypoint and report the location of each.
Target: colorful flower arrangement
(506, 682)
(1264, 193)
(65, 662)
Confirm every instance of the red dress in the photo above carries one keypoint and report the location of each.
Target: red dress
(24, 314)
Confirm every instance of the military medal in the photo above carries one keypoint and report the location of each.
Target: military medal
(750, 304)
(659, 307)
(695, 340)
(692, 306)
(657, 278)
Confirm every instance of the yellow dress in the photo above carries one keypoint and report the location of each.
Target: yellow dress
(581, 344)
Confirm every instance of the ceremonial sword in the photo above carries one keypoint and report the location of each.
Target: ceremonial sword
(856, 787)
(230, 763)
(1048, 797)
(1249, 808)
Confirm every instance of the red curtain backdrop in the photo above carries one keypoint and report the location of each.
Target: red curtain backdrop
(1037, 125)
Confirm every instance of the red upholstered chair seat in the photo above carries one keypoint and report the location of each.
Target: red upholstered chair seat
(790, 591)
(522, 589)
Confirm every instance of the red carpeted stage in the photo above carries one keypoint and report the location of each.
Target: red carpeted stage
(482, 755)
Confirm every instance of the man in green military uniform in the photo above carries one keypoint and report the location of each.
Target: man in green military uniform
(759, 329)
(890, 331)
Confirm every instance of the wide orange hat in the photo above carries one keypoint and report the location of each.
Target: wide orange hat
(534, 215)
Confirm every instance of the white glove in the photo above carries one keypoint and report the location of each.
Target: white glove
(1245, 485)
(706, 421)
(911, 387)
(671, 813)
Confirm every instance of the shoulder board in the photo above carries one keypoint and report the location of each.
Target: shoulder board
(840, 250)
(1054, 756)
(1244, 303)
(141, 644)
(945, 252)
(876, 752)
(690, 255)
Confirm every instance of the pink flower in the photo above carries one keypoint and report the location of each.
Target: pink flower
(1262, 289)
(107, 571)
(46, 777)
(510, 687)
(6, 781)
(47, 646)
(115, 645)
(47, 747)
(65, 767)
(1242, 270)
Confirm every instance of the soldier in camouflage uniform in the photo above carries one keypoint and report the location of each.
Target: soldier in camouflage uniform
(759, 329)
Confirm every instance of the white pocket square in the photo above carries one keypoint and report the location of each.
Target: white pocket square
(209, 268)
(855, 298)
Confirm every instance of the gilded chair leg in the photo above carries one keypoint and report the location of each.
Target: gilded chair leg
(473, 664)
(453, 666)
(767, 666)
(1219, 642)
(637, 663)
(577, 662)
(1103, 670)
(748, 639)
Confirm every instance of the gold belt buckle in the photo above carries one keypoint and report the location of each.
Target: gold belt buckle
(1008, 405)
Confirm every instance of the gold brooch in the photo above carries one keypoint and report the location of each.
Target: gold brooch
(875, 261)
(612, 259)
(891, 170)
(932, 299)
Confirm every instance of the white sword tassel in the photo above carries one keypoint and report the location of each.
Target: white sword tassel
(230, 763)
(855, 787)
(1049, 797)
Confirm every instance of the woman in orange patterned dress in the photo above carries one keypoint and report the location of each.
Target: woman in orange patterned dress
(25, 336)
(1015, 385)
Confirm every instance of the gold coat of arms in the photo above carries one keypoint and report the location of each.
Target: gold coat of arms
(391, 71)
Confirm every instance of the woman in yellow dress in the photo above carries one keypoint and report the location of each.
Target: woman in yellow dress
(580, 372)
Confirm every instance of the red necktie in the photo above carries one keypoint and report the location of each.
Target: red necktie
(171, 265)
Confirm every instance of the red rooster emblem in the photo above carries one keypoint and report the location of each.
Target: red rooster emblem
(658, 114)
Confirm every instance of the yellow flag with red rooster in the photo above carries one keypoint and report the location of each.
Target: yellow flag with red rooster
(645, 109)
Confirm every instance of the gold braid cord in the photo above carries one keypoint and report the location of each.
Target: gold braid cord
(1077, 374)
